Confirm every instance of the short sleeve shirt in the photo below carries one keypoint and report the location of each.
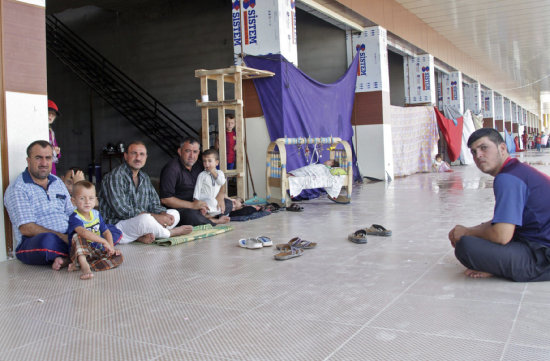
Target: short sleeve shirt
(522, 198)
(95, 224)
(27, 202)
(178, 181)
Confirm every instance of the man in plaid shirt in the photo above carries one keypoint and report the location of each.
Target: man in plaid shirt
(128, 200)
(39, 206)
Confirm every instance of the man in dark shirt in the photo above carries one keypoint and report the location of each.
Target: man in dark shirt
(177, 184)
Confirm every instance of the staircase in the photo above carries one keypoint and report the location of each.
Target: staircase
(150, 116)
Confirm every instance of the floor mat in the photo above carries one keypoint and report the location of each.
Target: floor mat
(202, 231)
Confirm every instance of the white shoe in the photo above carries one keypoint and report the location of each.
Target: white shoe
(250, 243)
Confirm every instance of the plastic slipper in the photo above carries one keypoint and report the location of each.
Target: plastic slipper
(250, 243)
(295, 208)
(359, 237)
(378, 230)
(288, 254)
(266, 241)
(300, 243)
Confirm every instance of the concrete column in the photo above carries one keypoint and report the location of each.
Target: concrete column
(24, 107)
(499, 112)
(261, 28)
(451, 86)
(371, 109)
(472, 97)
(507, 114)
(264, 27)
(419, 79)
(488, 101)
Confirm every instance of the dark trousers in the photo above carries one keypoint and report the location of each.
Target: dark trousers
(194, 217)
(41, 249)
(519, 260)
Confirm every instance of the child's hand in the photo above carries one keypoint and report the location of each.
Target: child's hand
(109, 249)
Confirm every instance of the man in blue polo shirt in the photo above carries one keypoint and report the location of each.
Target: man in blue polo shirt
(39, 206)
(515, 244)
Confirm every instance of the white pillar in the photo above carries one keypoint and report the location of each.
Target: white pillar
(472, 97)
(489, 106)
(372, 103)
(264, 27)
(419, 79)
(451, 87)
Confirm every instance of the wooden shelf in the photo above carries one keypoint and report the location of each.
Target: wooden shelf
(234, 75)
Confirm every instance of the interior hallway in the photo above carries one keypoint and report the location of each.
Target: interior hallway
(399, 298)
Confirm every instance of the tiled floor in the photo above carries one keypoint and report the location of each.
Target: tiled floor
(398, 298)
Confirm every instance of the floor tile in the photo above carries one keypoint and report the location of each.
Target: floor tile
(381, 344)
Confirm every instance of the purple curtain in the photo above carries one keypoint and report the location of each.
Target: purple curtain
(296, 105)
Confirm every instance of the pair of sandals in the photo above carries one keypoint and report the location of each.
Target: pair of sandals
(256, 242)
(360, 236)
(294, 248)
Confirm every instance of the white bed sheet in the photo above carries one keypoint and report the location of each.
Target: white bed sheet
(314, 176)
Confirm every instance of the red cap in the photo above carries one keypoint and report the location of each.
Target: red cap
(53, 106)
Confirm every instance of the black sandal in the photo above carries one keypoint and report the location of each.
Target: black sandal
(295, 208)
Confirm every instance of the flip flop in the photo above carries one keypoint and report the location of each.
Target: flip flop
(359, 237)
(297, 242)
(295, 208)
(266, 241)
(273, 207)
(250, 243)
(340, 199)
(288, 254)
(378, 230)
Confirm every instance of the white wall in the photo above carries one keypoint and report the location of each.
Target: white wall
(257, 142)
(26, 121)
(372, 163)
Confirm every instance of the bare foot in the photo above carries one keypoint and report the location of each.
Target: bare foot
(221, 220)
(87, 276)
(59, 263)
(181, 230)
(71, 267)
(477, 274)
(147, 238)
(85, 268)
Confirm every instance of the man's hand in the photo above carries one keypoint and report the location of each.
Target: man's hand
(221, 205)
(77, 176)
(199, 204)
(164, 219)
(456, 233)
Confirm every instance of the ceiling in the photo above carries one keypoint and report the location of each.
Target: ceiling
(509, 37)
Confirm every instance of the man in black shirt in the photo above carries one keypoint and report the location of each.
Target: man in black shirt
(177, 184)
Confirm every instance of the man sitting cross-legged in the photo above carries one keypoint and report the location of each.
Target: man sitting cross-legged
(128, 200)
(39, 207)
(515, 244)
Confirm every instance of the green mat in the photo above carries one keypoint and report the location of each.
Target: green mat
(202, 231)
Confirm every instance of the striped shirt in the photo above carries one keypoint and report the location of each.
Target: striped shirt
(27, 202)
(120, 199)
